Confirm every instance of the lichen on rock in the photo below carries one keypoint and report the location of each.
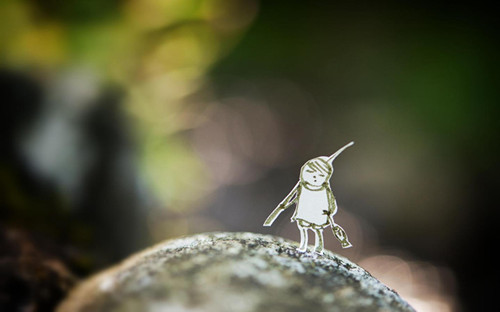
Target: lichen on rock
(235, 272)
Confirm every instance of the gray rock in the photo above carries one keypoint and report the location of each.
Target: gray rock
(233, 272)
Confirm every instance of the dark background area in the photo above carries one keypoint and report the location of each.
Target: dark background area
(124, 123)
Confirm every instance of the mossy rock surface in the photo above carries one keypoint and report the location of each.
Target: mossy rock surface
(233, 272)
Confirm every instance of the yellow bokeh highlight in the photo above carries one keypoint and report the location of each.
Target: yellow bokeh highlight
(41, 46)
(153, 14)
(177, 176)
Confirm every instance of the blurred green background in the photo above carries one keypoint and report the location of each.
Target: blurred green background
(128, 122)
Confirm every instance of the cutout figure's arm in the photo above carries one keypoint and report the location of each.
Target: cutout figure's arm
(338, 231)
(285, 203)
(332, 203)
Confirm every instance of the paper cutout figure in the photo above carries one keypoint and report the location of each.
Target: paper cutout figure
(315, 203)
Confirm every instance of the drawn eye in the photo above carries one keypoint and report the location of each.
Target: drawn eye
(322, 175)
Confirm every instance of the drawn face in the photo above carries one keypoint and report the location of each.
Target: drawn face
(313, 176)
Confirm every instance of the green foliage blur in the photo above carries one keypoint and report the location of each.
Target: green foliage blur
(158, 51)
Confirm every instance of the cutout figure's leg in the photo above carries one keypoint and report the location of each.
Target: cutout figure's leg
(303, 237)
(318, 246)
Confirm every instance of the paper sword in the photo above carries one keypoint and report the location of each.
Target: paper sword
(282, 206)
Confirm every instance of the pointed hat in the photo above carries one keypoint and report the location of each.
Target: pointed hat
(337, 153)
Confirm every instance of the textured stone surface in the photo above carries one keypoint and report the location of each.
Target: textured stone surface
(233, 272)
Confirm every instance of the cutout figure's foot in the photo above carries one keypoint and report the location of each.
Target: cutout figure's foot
(302, 249)
(319, 251)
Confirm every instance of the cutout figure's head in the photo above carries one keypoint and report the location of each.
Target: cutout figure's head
(316, 171)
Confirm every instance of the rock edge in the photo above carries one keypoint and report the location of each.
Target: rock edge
(233, 272)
